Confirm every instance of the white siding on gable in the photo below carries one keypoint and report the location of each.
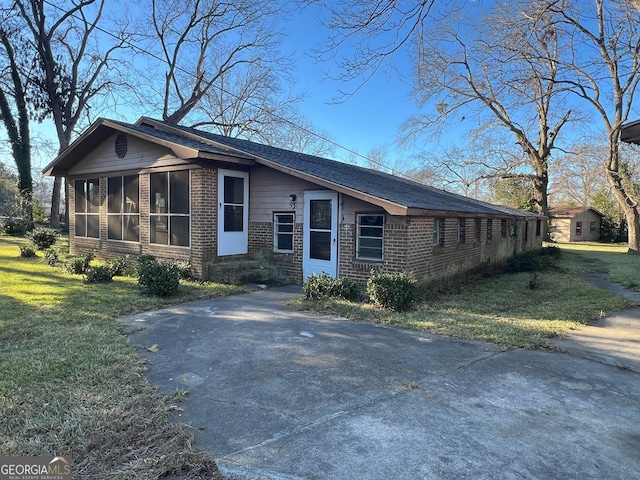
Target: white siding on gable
(270, 192)
(140, 154)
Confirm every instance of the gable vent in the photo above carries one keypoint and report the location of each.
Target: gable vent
(121, 145)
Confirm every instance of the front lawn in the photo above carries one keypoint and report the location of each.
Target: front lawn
(503, 309)
(70, 384)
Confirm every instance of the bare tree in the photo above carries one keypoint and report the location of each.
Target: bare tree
(366, 35)
(578, 174)
(15, 117)
(502, 71)
(602, 63)
(253, 102)
(199, 44)
(72, 59)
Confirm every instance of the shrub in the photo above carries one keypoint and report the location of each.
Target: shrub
(14, 226)
(27, 251)
(118, 266)
(185, 271)
(80, 264)
(156, 278)
(43, 238)
(98, 274)
(394, 291)
(317, 287)
(533, 260)
(51, 256)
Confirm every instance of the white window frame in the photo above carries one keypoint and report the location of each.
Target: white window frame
(359, 236)
(462, 230)
(276, 232)
(438, 232)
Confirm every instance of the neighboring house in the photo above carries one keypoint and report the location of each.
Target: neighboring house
(180, 193)
(575, 224)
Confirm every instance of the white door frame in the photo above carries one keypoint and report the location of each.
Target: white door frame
(233, 242)
(318, 265)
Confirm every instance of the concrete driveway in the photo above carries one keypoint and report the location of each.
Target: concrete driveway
(276, 393)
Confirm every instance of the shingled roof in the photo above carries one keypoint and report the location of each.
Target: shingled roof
(397, 195)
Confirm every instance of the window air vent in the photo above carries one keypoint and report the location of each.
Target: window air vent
(121, 145)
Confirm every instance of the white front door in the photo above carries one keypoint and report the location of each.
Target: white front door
(233, 212)
(320, 239)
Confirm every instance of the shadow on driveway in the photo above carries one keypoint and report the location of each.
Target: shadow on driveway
(283, 394)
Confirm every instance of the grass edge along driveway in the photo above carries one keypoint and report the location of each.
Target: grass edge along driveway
(70, 384)
(503, 309)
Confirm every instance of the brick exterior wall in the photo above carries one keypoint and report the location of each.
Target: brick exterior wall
(408, 241)
(409, 247)
(261, 241)
(203, 224)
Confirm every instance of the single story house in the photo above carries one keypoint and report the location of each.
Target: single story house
(182, 193)
(574, 224)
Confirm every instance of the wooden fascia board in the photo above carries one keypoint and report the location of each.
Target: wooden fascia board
(227, 159)
(180, 151)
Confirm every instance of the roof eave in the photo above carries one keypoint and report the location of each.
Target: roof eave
(630, 133)
(67, 158)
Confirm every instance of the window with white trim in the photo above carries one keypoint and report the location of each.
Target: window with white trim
(123, 208)
(370, 237)
(87, 208)
(169, 209)
(462, 230)
(283, 225)
(438, 232)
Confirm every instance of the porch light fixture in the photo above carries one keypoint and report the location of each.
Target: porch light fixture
(293, 197)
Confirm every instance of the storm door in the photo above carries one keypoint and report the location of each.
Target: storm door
(320, 247)
(233, 212)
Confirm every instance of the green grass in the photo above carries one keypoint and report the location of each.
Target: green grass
(503, 309)
(71, 384)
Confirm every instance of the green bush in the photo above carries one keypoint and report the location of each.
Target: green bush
(27, 251)
(98, 274)
(534, 260)
(394, 291)
(119, 266)
(185, 271)
(80, 264)
(159, 279)
(14, 226)
(317, 287)
(43, 238)
(51, 256)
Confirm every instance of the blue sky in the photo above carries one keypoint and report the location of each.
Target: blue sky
(371, 117)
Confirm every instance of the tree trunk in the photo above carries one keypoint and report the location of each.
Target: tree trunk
(54, 219)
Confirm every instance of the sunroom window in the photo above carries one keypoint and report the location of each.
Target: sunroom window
(123, 208)
(87, 208)
(169, 209)
(370, 237)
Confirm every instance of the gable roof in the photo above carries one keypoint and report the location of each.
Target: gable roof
(396, 195)
(570, 211)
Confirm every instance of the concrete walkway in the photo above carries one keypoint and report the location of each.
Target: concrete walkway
(612, 340)
(280, 394)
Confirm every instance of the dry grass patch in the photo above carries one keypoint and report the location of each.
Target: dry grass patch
(502, 309)
(70, 382)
